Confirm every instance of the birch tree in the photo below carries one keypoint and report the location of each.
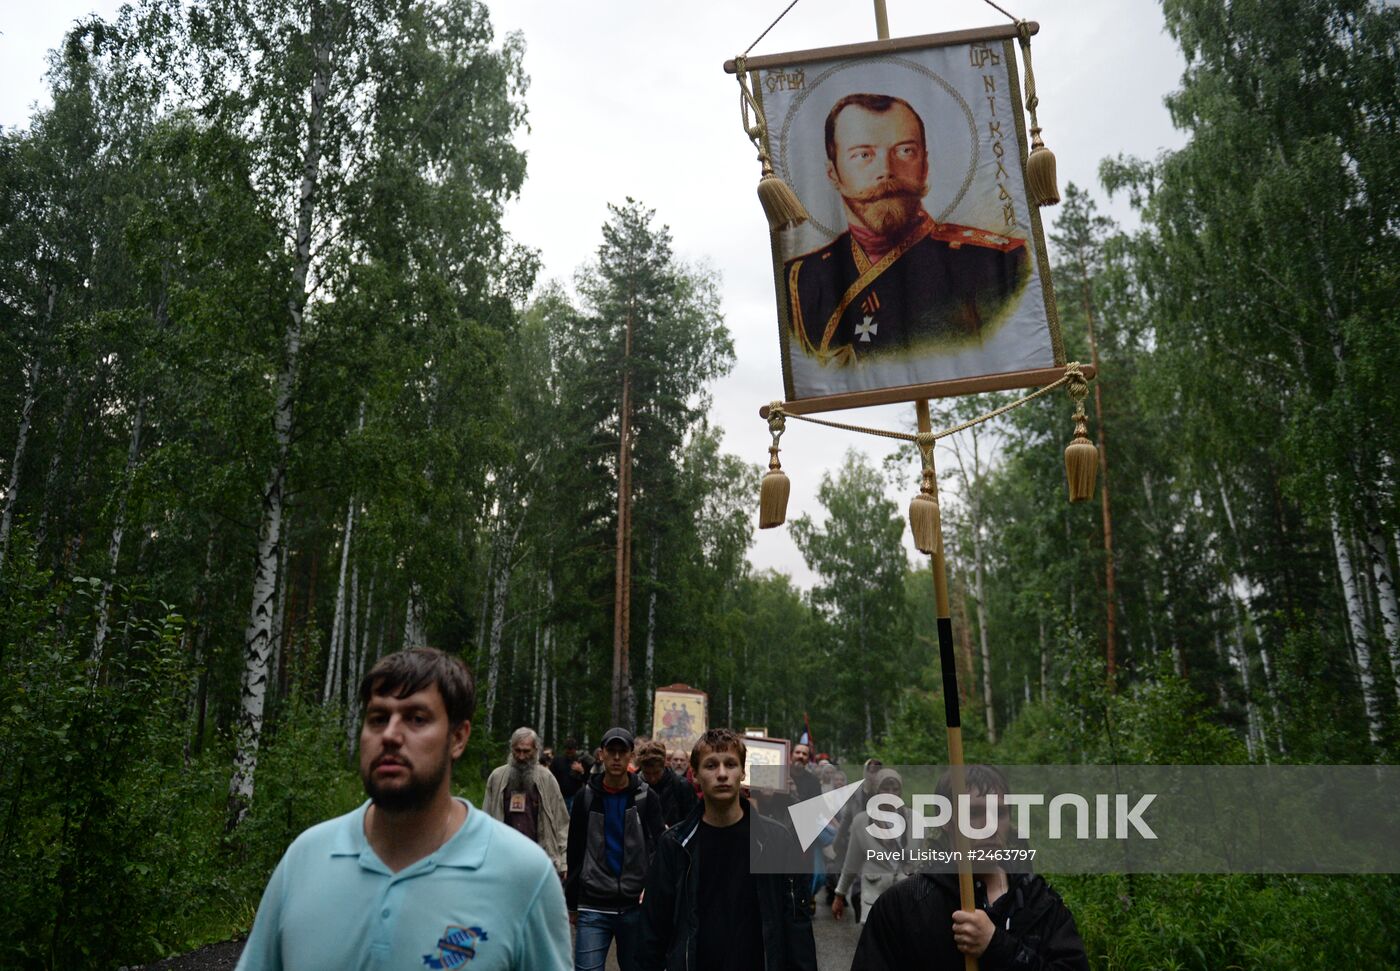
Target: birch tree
(342, 102)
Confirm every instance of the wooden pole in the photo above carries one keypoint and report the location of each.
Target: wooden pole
(623, 581)
(951, 712)
(1108, 575)
(946, 654)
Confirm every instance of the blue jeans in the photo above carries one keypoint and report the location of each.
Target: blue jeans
(596, 932)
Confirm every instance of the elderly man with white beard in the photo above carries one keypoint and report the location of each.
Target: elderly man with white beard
(524, 795)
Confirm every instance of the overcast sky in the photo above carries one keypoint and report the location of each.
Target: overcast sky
(629, 98)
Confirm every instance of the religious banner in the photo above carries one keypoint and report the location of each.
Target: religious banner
(921, 267)
(766, 763)
(679, 716)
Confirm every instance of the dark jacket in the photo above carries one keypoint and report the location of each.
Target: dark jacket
(944, 283)
(911, 925)
(676, 795)
(669, 917)
(568, 782)
(590, 883)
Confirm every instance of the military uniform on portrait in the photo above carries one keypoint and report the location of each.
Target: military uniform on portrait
(941, 282)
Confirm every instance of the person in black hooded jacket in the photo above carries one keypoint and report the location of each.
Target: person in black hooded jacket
(1019, 923)
(726, 890)
(912, 926)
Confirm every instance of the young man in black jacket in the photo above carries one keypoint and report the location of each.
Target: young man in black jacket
(726, 890)
(1019, 924)
(613, 830)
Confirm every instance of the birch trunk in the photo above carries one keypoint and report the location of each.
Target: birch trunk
(984, 639)
(553, 700)
(276, 666)
(415, 623)
(542, 709)
(485, 611)
(114, 546)
(1253, 719)
(362, 655)
(1356, 621)
(355, 656)
(1044, 663)
(331, 686)
(498, 616)
(41, 529)
(1385, 599)
(257, 639)
(26, 414)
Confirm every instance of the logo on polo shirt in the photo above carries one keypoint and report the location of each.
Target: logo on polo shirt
(456, 947)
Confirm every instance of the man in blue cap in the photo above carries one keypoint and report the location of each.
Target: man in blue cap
(613, 829)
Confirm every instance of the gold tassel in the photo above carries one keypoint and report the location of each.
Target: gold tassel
(923, 508)
(1040, 165)
(774, 490)
(1081, 456)
(780, 203)
(1040, 172)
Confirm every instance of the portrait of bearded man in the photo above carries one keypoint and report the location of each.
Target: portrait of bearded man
(895, 280)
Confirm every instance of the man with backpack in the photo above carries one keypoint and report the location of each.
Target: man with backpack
(613, 829)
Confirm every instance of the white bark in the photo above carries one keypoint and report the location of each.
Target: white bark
(279, 613)
(114, 546)
(980, 598)
(415, 623)
(1356, 621)
(484, 613)
(1253, 720)
(352, 637)
(1241, 592)
(542, 709)
(331, 686)
(41, 529)
(1385, 598)
(355, 654)
(499, 596)
(257, 639)
(1044, 663)
(971, 481)
(26, 414)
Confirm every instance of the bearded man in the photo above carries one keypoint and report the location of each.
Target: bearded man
(895, 280)
(414, 877)
(524, 795)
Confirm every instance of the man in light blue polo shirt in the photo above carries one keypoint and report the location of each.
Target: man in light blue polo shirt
(413, 878)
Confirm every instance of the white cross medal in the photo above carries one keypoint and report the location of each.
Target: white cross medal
(866, 328)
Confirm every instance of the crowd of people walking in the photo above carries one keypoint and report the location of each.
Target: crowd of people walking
(668, 857)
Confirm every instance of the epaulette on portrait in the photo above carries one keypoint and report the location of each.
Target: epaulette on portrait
(958, 236)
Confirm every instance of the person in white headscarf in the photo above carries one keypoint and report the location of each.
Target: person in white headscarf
(876, 871)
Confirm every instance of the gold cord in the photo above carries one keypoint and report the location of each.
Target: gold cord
(1073, 376)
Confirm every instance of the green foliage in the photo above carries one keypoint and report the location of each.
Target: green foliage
(95, 784)
(1203, 923)
(859, 554)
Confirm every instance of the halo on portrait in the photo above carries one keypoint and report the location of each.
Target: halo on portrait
(800, 153)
